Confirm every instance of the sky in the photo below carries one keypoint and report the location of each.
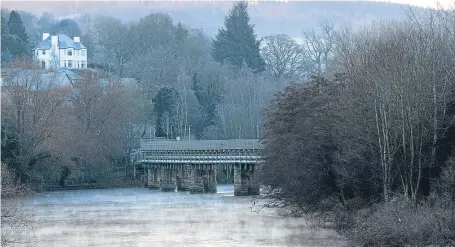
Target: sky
(425, 3)
(420, 3)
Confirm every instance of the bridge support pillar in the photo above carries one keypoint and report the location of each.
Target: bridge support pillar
(245, 182)
(203, 179)
(153, 178)
(167, 181)
(183, 179)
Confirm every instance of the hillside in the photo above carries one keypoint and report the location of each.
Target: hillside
(291, 18)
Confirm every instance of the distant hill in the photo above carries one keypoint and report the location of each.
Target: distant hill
(269, 18)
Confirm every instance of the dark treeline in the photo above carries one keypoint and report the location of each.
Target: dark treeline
(368, 146)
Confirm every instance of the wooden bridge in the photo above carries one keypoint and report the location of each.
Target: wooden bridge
(192, 165)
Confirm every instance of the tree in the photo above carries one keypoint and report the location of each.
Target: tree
(283, 56)
(369, 133)
(14, 37)
(16, 27)
(166, 101)
(68, 27)
(46, 22)
(208, 90)
(17, 223)
(4, 30)
(181, 33)
(114, 38)
(319, 47)
(300, 146)
(30, 110)
(237, 44)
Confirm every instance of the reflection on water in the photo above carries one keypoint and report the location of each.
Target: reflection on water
(142, 217)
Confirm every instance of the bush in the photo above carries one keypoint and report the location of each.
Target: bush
(400, 223)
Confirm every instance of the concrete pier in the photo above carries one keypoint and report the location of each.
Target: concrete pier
(153, 178)
(203, 179)
(183, 179)
(245, 182)
(167, 181)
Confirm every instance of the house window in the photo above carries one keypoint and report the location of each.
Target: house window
(70, 52)
(64, 63)
(43, 64)
(82, 52)
(70, 63)
(82, 64)
(43, 52)
(37, 52)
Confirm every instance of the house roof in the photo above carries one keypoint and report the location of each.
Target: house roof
(48, 78)
(63, 43)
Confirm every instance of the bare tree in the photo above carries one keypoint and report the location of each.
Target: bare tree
(319, 47)
(17, 223)
(115, 39)
(31, 104)
(283, 56)
(403, 82)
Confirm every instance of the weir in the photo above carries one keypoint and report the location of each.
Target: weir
(185, 165)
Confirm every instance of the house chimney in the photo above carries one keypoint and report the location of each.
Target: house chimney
(54, 41)
(77, 39)
(45, 35)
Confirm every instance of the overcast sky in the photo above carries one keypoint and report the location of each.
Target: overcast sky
(421, 3)
(424, 3)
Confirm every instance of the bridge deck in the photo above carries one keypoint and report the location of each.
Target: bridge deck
(198, 151)
(201, 144)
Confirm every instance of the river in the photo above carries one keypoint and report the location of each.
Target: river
(143, 217)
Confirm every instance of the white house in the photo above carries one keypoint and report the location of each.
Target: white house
(60, 51)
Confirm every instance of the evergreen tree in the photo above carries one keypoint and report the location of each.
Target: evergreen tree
(208, 91)
(181, 33)
(16, 27)
(68, 27)
(4, 27)
(166, 106)
(237, 44)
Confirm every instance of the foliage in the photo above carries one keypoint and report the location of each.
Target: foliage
(114, 38)
(68, 27)
(166, 104)
(400, 223)
(46, 22)
(16, 27)
(236, 44)
(300, 143)
(14, 38)
(363, 146)
(208, 92)
(4, 24)
(72, 133)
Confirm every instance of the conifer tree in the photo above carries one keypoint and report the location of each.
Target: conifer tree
(181, 33)
(16, 27)
(236, 44)
(4, 30)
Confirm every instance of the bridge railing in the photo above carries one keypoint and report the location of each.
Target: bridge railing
(197, 151)
(170, 156)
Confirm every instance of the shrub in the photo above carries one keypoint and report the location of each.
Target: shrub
(400, 223)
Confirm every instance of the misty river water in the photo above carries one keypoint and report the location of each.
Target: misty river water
(143, 217)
